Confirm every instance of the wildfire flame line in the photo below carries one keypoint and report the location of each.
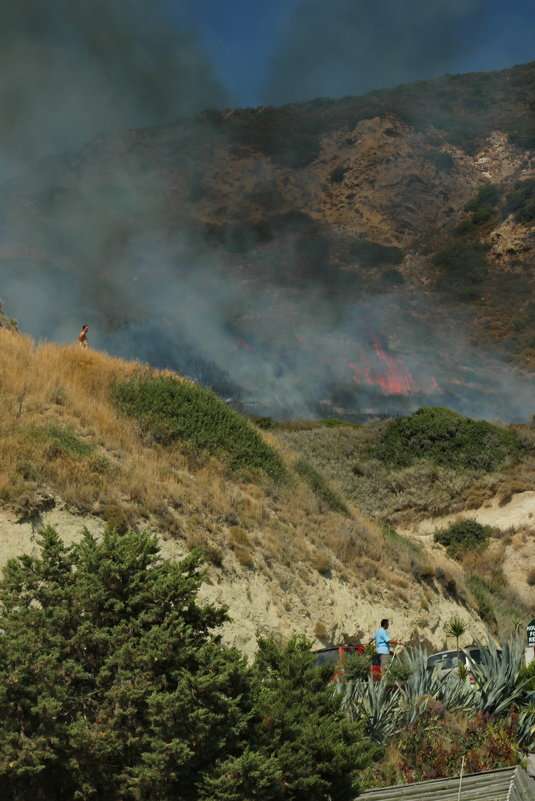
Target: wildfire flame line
(395, 380)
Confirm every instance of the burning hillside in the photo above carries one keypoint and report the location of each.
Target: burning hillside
(372, 258)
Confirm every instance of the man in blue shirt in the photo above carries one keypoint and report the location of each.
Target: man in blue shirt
(383, 642)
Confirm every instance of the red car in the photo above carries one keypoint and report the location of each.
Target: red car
(335, 654)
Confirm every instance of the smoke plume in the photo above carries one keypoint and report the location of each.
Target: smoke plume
(69, 70)
(347, 47)
(106, 236)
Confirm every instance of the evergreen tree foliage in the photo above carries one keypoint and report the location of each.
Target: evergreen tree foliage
(113, 687)
(298, 716)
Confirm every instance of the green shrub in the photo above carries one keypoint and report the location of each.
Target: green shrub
(172, 410)
(357, 666)
(523, 134)
(320, 486)
(467, 535)
(337, 175)
(484, 597)
(288, 138)
(521, 202)
(447, 438)
(463, 261)
(370, 254)
(488, 195)
(333, 422)
(525, 320)
(265, 423)
(66, 441)
(527, 674)
(398, 672)
(442, 160)
(392, 277)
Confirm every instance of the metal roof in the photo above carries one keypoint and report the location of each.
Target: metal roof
(506, 784)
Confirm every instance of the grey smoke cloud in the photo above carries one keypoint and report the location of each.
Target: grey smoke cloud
(347, 47)
(70, 69)
(89, 244)
(270, 349)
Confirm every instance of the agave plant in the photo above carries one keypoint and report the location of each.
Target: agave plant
(526, 724)
(378, 704)
(425, 685)
(387, 709)
(496, 676)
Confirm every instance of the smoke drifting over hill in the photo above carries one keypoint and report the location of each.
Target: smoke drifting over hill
(270, 348)
(352, 46)
(174, 255)
(68, 70)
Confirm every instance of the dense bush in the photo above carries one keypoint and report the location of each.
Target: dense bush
(447, 438)
(63, 441)
(173, 410)
(289, 138)
(467, 535)
(527, 674)
(523, 133)
(371, 254)
(487, 743)
(337, 175)
(112, 686)
(290, 222)
(462, 261)
(392, 277)
(521, 202)
(488, 195)
(241, 237)
(442, 160)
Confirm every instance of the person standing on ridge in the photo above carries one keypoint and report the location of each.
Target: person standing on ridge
(82, 336)
(383, 642)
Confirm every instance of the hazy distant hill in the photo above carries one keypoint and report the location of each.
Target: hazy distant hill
(331, 258)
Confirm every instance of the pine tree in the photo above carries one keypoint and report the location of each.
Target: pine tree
(111, 685)
(312, 752)
(114, 687)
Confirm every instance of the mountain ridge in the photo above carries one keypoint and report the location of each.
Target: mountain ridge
(282, 246)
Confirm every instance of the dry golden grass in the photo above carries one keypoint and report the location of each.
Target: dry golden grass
(62, 438)
(406, 495)
(488, 565)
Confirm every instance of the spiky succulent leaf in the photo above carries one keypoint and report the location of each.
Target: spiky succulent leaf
(496, 676)
(379, 705)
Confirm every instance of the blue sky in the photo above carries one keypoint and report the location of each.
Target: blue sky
(252, 43)
(239, 37)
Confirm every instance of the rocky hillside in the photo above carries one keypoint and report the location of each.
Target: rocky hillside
(90, 440)
(336, 257)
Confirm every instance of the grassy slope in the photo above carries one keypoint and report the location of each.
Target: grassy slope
(62, 436)
(62, 440)
(401, 495)
(347, 456)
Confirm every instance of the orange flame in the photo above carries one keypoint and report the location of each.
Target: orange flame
(394, 381)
